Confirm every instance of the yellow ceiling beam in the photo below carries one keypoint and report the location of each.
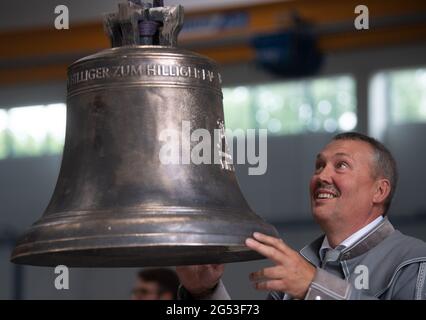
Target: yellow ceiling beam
(51, 49)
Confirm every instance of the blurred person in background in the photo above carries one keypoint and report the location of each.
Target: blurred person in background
(156, 284)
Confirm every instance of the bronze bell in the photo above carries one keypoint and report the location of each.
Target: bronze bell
(115, 203)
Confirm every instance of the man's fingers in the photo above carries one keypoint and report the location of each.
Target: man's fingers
(275, 242)
(269, 285)
(265, 250)
(185, 269)
(276, 272)
(218, 266)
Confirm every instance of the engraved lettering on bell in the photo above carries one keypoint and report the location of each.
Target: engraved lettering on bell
(140, 71)
(223, 149)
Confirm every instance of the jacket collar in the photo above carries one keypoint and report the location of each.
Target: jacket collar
(367, 242)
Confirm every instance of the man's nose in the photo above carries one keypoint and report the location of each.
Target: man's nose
(326, 174)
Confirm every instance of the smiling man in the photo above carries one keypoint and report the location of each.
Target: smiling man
(360, 255)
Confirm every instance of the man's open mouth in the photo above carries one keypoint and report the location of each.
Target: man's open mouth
(325, 194)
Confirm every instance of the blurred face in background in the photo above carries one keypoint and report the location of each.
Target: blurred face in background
(149, 290)
(343, 186)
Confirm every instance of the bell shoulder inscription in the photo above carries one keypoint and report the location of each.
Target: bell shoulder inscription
(143, 71)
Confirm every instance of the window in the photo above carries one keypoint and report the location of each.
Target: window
(3, 132)
(396, 97)
(32, 131)
(323, 104)
(407, 92)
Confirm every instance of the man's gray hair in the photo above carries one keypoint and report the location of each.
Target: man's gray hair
(385, 164)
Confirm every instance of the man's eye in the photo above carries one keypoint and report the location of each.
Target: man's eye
(342, 165)
(318, 166)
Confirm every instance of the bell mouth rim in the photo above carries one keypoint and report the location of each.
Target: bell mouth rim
(139, 256)
(172, 244)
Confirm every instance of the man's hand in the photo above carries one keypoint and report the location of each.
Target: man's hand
(291, 274)
(200, 280)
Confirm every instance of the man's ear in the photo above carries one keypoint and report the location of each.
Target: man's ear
(382, 190)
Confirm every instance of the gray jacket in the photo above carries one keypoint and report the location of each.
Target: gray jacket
(384, 264)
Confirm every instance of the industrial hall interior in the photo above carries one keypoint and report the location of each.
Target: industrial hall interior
(137, 136)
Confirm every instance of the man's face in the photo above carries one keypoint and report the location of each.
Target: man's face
(147, 290)
(343, 183)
